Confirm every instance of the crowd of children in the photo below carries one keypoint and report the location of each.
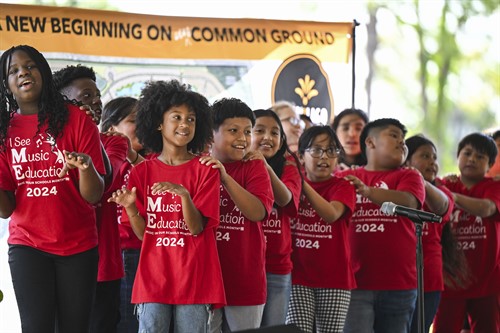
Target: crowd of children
(186, 216)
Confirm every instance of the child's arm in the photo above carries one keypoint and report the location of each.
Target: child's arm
(91, 184)
(133, 157)
(249, 205)
(475, 206)
(7, 203)
(435, 199)
(380, 195)
(126, 198)
(192, 216)
(282, 194)
(329, 211)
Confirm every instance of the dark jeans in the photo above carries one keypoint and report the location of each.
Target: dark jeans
(431, 303)
(106, 310)
(128, 319)
(53, 292)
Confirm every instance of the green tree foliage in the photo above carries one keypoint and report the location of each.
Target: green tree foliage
(457, 86)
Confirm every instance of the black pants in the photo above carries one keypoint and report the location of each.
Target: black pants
(54, 293)
(106, 311)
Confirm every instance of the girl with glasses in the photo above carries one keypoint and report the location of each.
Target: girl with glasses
(322, 276)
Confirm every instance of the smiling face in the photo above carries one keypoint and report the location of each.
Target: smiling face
(178, 127)
(473, 165)
(24, 81)
(320, 168)
(266, 136)
(85, 90)
(232, 139)
(348, 132)
(425, 160)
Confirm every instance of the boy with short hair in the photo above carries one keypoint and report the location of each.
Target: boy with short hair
(246, 199)
(383, 247)
(476, 223)
(78, 83)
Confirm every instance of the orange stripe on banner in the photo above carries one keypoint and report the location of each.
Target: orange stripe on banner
(117, 34)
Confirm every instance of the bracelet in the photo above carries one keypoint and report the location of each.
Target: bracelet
(135, 215)
(136, 158)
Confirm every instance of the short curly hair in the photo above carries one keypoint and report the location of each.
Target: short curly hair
(68, 74)
(159, 97)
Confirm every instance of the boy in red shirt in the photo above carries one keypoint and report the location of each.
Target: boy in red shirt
(382, 246)
(246, 199)
(476, 223)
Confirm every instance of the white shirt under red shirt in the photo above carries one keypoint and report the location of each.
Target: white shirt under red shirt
(110, 254)
(383, 247)
(277, 225)
(479, 238)
(240, 241)
(432, 249)
(50, 215)
(176, 267)
(321, 251)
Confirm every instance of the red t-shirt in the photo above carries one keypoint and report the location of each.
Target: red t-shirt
(50, 214)
(432, 249)
(176, 267)
(110, 256)
(128, 239)
(479, 238)
(240, 241)
(321, 251)
(277, 225)
(383, 247)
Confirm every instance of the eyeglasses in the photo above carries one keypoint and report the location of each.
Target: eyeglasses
(292, 120)
(318, 152)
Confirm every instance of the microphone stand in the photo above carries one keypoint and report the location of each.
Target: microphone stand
(420, 271)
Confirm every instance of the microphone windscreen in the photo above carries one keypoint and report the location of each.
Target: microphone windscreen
(388, 208)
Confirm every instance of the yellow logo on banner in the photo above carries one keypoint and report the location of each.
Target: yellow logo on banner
(312, 96)
(306, 91)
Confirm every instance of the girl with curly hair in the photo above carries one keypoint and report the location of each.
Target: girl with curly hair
(172, 204)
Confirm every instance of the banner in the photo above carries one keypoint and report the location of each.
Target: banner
(218, 57)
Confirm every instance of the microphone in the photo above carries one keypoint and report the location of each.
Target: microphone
(391, 208)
